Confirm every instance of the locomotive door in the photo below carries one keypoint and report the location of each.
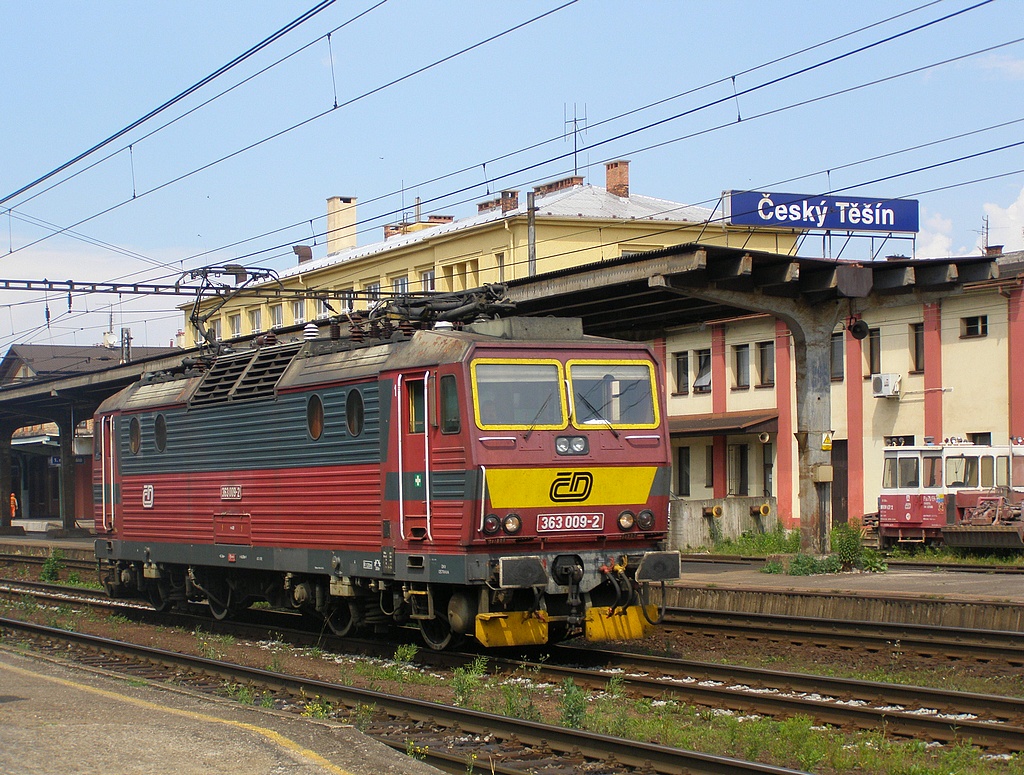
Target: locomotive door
(413, 457)
(106, 469)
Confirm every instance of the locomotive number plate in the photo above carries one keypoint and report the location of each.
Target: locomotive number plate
(548, 523)
(231, 492)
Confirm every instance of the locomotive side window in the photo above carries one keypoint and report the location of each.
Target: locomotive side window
(354, 412)
(519, 394)
(417, 406)
(160, 433)
(889, 474)
(620, 394)
(932, 471)
(451, 421)
(134, 435)
(315, 417)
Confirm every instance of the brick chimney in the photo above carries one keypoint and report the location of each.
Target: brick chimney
(341, 223)
(509, 200)
(558, 185)
(616, 177)
(993, 251)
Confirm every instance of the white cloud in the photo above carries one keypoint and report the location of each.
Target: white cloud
(1006, 225)
(935, 239)
(1006, 66)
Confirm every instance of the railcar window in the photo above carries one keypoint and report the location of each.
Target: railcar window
(315, 417)
(962, 471)
(988, 471)
(134, 435)
(909, 476)
(527, 395)
(160, 433)
(451, 420)
(1002, 471)
(619, 394)
(889, 474)
(354, 412)
(933, 472)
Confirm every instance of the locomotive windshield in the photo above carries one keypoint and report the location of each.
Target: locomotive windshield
(615, 394)
(519, 394)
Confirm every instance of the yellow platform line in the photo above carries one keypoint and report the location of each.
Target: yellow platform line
(274, 737)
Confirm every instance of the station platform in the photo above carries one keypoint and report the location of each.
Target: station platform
(56, 719)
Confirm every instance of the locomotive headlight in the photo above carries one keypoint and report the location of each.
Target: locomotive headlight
(572, 445)
(645, 519)
(492, 524)
(512, 523)
(626, 520)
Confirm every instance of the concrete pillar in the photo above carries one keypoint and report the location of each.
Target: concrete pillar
(66, 426)
(6, 435)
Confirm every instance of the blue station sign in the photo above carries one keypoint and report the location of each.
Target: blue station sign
(833, 213)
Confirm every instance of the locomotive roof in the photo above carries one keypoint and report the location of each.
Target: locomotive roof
(263, 372)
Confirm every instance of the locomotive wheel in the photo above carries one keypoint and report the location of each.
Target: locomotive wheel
(437, 633)
(341, 621)
(158, 598)
(219, 600)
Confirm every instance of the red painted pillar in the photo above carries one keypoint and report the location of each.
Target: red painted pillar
(719, 405)
(785, 449)
(854, 427)
(933, 371)
(1016, 354)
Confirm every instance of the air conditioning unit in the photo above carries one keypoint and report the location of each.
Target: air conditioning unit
(885, 385)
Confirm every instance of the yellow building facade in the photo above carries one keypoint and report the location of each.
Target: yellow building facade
(573, 224)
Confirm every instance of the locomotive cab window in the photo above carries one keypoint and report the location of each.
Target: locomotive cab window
(518, 395)
(962, 471)
(619, 394)
(451, 420)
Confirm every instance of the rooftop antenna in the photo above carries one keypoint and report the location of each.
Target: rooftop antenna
(579, 127)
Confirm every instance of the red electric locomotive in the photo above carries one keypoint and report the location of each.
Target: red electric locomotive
(508, 481)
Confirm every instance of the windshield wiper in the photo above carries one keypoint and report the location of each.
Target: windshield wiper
(596, 414)
(536, 417)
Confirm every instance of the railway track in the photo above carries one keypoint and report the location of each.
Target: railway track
(447, 736)
(990, 721)
(928, 642)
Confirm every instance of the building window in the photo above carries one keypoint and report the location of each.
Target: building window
(427, 280)
(766, 363)
(981, 439)
(255, 321)
(683, 471)
(738, 469)
(837, 356)
(215, 329)
(348, 300)
(917, 346)
(298, 312)
(372, 291)
(874, 351)
(682, 362)
(709, 466)
(702, 381)
(973, 327)
(899, 441)
(235, 324)
(276, 316)
(499, 260)
(741, 361)
(400, 286)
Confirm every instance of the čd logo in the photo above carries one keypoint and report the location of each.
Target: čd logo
(571, 486)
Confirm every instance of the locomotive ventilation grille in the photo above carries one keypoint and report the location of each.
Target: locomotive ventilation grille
(250, 375)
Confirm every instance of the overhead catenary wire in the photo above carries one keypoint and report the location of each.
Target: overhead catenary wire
(639, 129)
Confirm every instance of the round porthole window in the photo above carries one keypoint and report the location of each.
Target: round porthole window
(134, 435)
(315, 417)
(160, 433)
(354, 412)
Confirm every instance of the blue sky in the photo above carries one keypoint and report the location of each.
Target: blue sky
(76, 73)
